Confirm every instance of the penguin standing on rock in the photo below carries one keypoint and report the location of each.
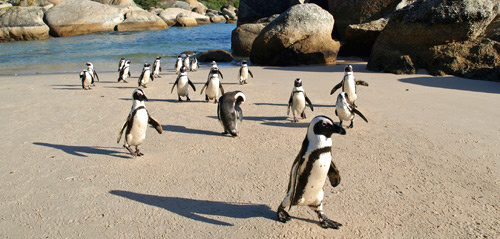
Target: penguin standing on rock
(297, 101)
(213, 85)
(86, 80)
(121, 63)
(137, 123)
(310, 169)
(348, 84)
(244, 72)
(345, 110)
(157, 67)
(229, 110)
(124, 72)
(92, 72)
(145, 76)
(182, 82)
(178, 64)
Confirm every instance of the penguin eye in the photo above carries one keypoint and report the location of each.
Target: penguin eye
(326, 123)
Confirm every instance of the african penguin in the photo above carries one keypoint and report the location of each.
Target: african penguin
(121, 63)
(182, 82)
(93, 73)
(310, 169)
(185, 62)
(157, 67)
(213, 85)
(86, 79)
(214, 67)
(348, 84)
(124, 72)
(145, 76)
(345, 110)
(229, 110)
(137, 123)
(297, 101)
(244, 72)
(194, 64)
(178, 64)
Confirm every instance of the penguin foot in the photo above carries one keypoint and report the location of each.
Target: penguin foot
(295, 120)
(351, 125)
(124, 81)
(188, 98)
(327, 223)
(283, 216)
(134, 154)
(180, 98)
(138, 152)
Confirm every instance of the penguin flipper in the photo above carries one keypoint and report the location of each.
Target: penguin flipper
(96, 76)
(241, 69)
(359, 113)
(191, 84)
(360, 82)
(290, 101)
(335, 88)
(123, 128)
(309, 102)
(175, 83)
(220, 73)
(239, 113)
(294, 172)
(221, 88)
(203, 88)
(334, 175)
(153, 122)
(249, 72)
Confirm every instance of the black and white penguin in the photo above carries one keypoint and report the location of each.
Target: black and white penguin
(345, 109)
(157, 67)
(137, 123)
(124, 72)
(244, 72)
(194, 64)
(178, 64)
(86, 79)
(93, 73)
(215, 67)
(348, 84)
(145, 76)
(297, 101)
(310, 169)
(229, 110)
(213, 86)
(185, 62)
(182, 82)
(121, 63)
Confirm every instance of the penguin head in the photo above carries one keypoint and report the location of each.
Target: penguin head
(214, 70)
(88, 64)
(298, 82)
(128, 62)
(244, 62)
(139, 95)
(183, 69)
(348, 68)
(147, 64)
(239, 98)
(214, 64)
(158, 57)
(342, 98)
(179, 56)
(322, 126)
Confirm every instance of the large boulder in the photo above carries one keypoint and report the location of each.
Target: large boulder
(189, 18)
(117, 2)
(243, 37)
(200, 7)
(443, 37)
(301, 35)
(23, 23)
(359, 38)
(137, 19)
(217, 55)
(184, 20)
(249, 11)
(75, 17)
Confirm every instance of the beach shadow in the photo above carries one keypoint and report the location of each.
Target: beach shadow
(279, 121)
(82, 151)
(455, 83)
(358, 64)
(182, 129)
(121, 87)
(288, 124)
(196, 209)
(286, 105)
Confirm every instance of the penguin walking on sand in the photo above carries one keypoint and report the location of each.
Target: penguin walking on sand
(185, 62)
(137, 123)
(194, 64)
(213, 86)
(157, 67)
(178, 64)
(298, 100)
(348, 84)
(145, 76)
(244, 72)
(345, 109)
(86, 79)
(182, 82)
(215, 67)
(92, 72)
(124, 72)
(310, 169)
(229, 110)
(121, 63)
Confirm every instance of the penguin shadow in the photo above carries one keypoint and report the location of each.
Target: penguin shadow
(279, 121)
(182, 129)
(121, 87)
(197, 209)
(67, 87)
(83, 151)
(286, 105)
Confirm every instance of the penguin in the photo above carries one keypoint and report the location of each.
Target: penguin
(86, 79)
(213, 85)
(345, 110)
(244, 72)
(121, 63)
(93, 73)
(194, 64)
(185, 62)
(145, 76)
(228, 111)
(214, 67)
(297, 101)
(124, 72)
(157, 67)
(348, 84)
(310, 169)
(182, 82)
(178, 64)
(137, 123)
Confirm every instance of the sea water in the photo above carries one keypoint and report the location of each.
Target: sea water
(104, 50)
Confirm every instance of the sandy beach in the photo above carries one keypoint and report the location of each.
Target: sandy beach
(427, 165)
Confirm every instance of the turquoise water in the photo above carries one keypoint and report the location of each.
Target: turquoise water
(104, 50)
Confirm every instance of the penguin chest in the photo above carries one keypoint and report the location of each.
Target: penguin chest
(343, 112)
(350, 88)
(299, 102)
(87, 80)
(146, 77)
(182, 86)
(244, 73)
(137, 132)
(313, 190)
(125, 73)
(213, 88)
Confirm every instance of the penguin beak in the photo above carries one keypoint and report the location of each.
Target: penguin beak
(334, 128)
